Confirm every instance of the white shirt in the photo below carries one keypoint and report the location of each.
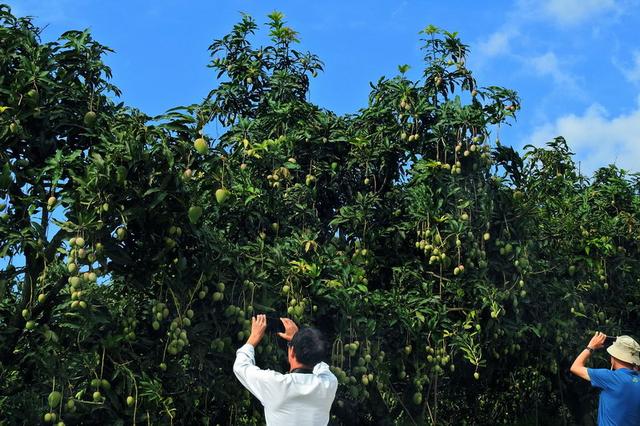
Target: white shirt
(295, 399)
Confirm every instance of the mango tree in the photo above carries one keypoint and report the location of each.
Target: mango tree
(453, 277)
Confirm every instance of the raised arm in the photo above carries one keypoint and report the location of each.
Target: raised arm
(260, 383)
(579, 365)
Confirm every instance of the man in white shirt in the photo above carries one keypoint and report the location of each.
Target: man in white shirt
(301, 397)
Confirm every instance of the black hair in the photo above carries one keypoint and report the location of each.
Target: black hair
(309, 346)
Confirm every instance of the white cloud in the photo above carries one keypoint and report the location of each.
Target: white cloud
(573, 12)
(400, 9)
(44, 12)
(548, 65)
(631, 73)
(559, 12)
(597, 139)
(496, 44)
(564, 13)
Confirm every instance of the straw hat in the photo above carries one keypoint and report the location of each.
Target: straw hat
(625, 349)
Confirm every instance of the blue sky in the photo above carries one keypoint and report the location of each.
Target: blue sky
(575, 63)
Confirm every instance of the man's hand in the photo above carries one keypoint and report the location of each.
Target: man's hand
(258, 328)
(290, 329)
(597, 341)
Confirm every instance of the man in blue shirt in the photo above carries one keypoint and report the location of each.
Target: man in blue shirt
(620, 396)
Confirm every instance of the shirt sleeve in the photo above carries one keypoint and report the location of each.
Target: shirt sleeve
(601, 378)
(322, 369)
(261, 383)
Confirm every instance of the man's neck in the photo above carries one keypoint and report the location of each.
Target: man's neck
(617, 365)
(297, 365)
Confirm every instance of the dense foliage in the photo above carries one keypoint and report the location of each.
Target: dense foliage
(454, 277)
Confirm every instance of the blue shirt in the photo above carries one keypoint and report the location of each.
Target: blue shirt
(620, 397)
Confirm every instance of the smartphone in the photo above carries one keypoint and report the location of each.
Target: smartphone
(274, 324)
(608, 341)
